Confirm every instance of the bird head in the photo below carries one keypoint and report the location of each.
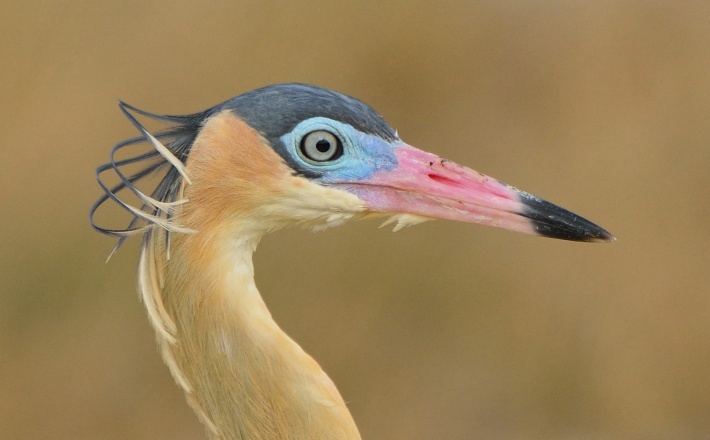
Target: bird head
(294, 153)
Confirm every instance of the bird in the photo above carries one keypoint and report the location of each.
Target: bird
(277, 156)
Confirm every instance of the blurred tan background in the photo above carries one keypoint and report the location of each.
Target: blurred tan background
(441, 331)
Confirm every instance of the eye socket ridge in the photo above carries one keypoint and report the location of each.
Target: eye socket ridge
(321, 146)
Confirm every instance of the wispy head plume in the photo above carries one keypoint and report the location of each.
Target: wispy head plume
(166, 158)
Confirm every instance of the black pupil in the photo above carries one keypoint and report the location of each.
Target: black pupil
(323, 145)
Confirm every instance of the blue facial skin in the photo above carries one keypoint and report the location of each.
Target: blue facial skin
(363, 154)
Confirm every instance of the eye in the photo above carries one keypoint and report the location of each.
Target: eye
(321, 146)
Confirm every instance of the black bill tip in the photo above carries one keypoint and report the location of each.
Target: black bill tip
(550, 220)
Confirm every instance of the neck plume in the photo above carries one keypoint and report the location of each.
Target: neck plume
(243, 376)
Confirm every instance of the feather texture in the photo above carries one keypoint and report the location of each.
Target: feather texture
(243, 376)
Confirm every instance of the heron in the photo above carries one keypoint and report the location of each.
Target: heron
(282, 155)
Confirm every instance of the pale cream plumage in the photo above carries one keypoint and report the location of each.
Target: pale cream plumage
(242, 374)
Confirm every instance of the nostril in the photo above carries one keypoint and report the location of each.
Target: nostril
(441, 179)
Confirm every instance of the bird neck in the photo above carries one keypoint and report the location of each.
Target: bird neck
(244, 377)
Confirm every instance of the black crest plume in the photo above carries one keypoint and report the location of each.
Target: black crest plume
(168, 155)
